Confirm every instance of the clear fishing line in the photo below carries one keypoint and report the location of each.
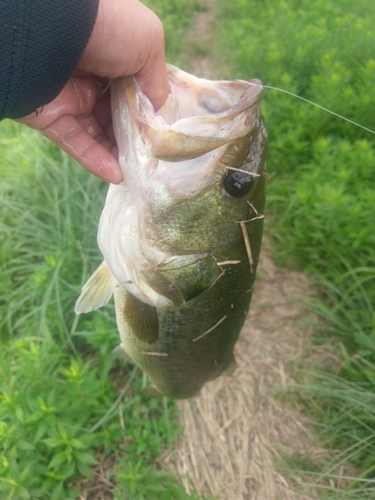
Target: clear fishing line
(318, 106)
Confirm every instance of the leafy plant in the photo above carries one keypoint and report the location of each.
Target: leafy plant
(139, 481)
(63, 396)
(321, 201)
(48, 401)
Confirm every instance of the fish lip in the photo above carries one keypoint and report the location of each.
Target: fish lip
(250, 98)
(256, 82)
(252, 95)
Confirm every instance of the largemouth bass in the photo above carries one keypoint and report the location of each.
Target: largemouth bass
(181, 235)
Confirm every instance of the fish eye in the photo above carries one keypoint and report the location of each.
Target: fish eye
(236, 183)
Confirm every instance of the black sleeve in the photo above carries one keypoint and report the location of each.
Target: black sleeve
(41, 42)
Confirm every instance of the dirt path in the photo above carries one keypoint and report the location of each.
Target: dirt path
(235, 428)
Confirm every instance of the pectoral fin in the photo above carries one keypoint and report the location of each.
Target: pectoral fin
(97, 291)
(190, 275)
(142, 319)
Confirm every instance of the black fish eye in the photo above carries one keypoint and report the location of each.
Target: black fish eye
(237, 183)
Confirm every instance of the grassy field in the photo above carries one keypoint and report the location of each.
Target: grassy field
(321, 197)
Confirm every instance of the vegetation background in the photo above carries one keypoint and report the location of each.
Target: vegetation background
(66, 405)
(321, 197)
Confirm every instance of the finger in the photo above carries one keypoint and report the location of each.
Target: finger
(152, 77)
(69, 134)
(154, 84)
(78, 97)
(90, 125)
(128, 39)
(102, 112)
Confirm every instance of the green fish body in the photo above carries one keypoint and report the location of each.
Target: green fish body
(181, 235)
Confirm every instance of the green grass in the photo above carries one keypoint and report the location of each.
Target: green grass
(61, 390)
(64, 398)
(344, 417)
(321, 198)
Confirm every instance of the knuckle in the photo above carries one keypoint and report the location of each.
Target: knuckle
(157, 33)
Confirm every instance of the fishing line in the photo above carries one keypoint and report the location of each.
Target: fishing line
(318, 106)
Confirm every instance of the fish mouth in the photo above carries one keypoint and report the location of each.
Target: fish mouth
(199, 116)
(209, 114)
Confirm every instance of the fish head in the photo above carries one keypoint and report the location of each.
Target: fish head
(192, 172)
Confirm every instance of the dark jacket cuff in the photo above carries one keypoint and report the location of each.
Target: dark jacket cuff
(41, 43)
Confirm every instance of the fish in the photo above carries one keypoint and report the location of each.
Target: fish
(181, 235)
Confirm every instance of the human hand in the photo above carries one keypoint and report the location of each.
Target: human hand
(127, 39)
